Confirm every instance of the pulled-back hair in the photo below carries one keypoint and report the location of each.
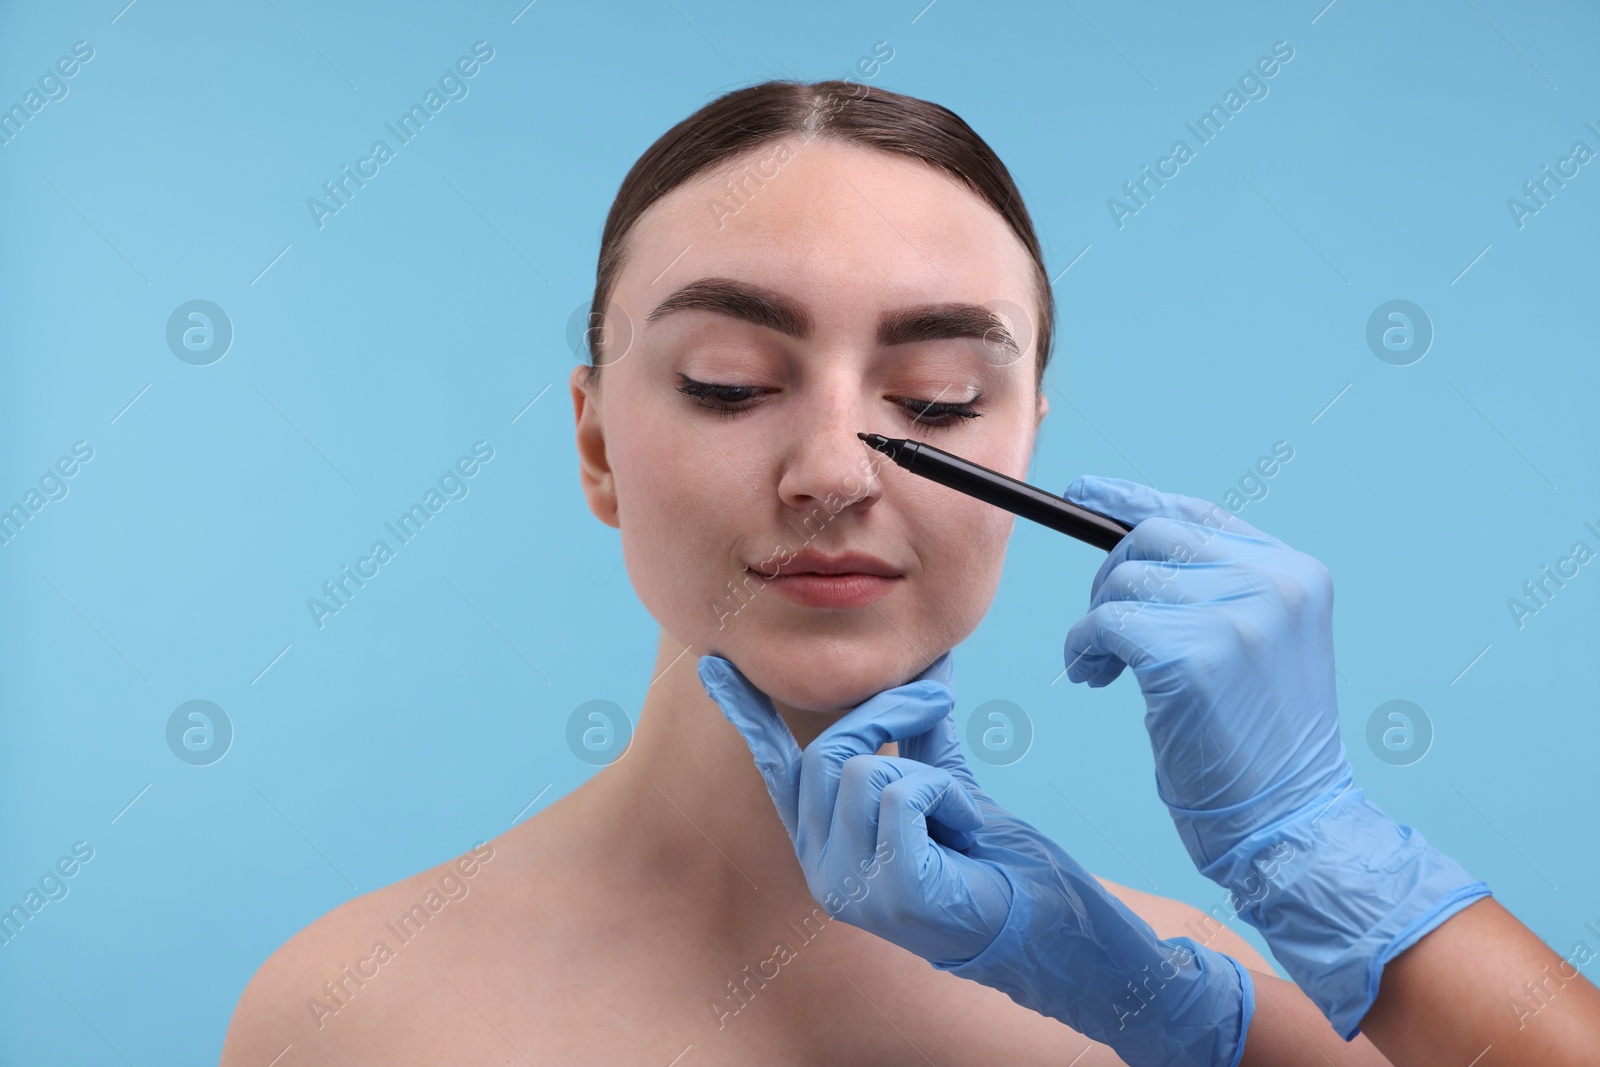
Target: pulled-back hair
(853, 113)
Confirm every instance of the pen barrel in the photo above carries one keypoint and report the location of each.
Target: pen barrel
(1017, 497)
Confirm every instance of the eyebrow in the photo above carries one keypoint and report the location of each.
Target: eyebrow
(763, 307)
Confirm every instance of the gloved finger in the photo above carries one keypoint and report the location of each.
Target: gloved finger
(862, 784)
(927, 799)
(892, 715)
(1161, 538)
(1110, 637)
(940, 746)
(777, 754)
(961, 889)
(1171, 582)
(1210, 535)
(1092, 665)
(1132, 503)
(1086, 660)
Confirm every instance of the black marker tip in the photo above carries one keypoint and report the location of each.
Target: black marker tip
(878, 441)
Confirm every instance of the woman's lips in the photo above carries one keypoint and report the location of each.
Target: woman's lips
(831, 590)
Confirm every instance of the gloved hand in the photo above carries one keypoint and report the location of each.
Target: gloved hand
(910, 848)
(1230, 634)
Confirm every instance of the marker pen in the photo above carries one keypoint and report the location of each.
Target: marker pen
(995, 488)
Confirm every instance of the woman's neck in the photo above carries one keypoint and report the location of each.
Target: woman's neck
(684, 811)
(685, 806)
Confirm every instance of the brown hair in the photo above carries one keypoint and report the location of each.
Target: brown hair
(854, 113)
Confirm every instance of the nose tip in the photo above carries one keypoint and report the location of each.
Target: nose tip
(823, 467)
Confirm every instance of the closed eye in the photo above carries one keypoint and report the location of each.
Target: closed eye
(731, 400)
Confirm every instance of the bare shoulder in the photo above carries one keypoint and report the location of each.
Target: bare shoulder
(320, 971)
(1174, 918)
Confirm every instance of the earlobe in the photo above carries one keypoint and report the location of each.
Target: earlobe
(594, 472)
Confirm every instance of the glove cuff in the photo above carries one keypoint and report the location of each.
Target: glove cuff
(1247, 1011)
(1338, 889)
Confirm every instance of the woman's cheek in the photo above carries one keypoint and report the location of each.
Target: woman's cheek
(686, 524)
(652, 528)
(961, 564)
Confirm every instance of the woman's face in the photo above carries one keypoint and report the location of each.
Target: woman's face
(840, 288)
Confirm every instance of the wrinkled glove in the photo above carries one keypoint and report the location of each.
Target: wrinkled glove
(911, 849)
(1230, 634)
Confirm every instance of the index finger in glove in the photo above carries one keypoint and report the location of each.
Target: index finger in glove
(1132, 503)
(892, 715)
(1166, 526)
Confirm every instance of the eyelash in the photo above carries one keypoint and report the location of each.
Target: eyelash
(934, 416)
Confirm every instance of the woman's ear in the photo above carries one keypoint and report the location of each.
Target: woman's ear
(594, 472)
(1044, 409)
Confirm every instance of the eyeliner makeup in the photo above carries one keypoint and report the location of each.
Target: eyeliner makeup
(995, 488)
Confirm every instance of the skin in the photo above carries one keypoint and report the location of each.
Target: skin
(1458, 996)
(606, 927)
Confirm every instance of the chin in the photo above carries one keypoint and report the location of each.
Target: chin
(832, 684)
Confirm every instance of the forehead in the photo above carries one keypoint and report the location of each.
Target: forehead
(848, 230)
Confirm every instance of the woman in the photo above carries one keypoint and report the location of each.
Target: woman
(790, 265)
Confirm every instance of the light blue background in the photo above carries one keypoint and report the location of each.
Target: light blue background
(1223, 317)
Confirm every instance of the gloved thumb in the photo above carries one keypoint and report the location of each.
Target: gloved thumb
(776, 753)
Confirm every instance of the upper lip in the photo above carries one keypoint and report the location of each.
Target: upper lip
(809, 562)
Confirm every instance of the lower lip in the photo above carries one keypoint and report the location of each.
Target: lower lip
(832, 590)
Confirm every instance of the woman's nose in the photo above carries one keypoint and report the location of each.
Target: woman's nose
(826, 461)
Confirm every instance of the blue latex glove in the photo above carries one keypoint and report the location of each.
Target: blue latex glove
(1230, 634)
(911, 849)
